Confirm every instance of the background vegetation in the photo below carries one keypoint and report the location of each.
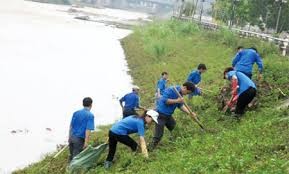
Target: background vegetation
(256, 12)
(256, 144)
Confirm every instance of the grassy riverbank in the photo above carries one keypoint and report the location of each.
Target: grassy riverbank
(256, 144)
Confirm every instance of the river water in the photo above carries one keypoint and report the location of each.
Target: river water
(48, 63)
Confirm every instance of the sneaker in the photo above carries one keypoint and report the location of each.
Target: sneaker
(107, 164)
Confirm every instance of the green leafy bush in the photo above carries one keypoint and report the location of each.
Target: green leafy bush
(158, 36)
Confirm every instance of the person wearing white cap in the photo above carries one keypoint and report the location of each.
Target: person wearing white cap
(131, 101)
(120, 133)
(135, 87)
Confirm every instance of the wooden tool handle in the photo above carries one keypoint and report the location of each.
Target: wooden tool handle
(189, 109)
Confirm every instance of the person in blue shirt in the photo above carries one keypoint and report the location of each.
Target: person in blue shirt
(121, 130)
(243, 90)
(244, 61)
(195, 77)
(161, 86)
(131, 101)
(81, 124)
(166, 106)
(239, 49)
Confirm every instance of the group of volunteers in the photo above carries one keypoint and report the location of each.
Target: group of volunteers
(240, 75)
(167, 100)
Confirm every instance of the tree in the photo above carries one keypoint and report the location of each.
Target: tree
(263, 13)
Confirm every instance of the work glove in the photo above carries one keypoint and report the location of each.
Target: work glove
(260, 77)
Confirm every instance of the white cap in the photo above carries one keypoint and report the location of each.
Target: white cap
(135, 87)
(154, 115)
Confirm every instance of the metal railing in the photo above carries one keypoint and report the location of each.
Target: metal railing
(282, 43)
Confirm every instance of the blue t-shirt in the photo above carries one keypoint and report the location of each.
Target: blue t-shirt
(131, 100)
(194, 77)
(243, 81)
(81, 121)
(163, 107)
(245, 60)
(162, 85)
(129, 125)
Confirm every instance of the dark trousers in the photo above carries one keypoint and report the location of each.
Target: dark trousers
(75, 146)
(128, 112)
(244, 99)
(124, 139)
(247, 74)
(163, 120)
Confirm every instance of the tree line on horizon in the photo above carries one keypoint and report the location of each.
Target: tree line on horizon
(262, 13)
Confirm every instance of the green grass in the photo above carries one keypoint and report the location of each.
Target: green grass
(256, 144)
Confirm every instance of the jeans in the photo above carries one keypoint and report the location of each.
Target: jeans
(124, 139)
(75, 146)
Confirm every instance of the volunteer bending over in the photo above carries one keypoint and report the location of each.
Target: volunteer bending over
(129, 125)
(243, 90)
